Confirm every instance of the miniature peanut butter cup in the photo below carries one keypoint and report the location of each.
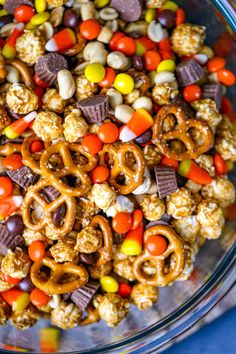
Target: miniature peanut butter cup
(11, 5)
(48, 66)
(9, 240)
(23, 176)
(214, 92)
(83, 296)
(130, 10)
(189, 72)
(166, 181)
(94, 109)
(50, 193)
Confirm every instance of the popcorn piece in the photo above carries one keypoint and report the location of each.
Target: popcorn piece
(180, 203)
(144, 296)
(189, 256)
(188, 228)
(112, 308)
(16, 264)
(220, 189)
(24, 319)
(210, 213)
(193, 186)
(206, 110)
(97, 272)
(48, 126)
(151, 155)
(225, 128)
(4, 286)
(4, 312)
(31, 236)
(121, 204)
(52, 101)
(30, 46)
(132, 97)
(163, 93)
(66, 316)
(5, 120)
(75, 126)
(84, 88)
(86, 209)
(89, 240)
(21, 100)
(102, 195)
(211, 232)
(155, 4)
(124, 268)
(187, 39)
(207, 163)
(64, 250)
(226, 147)
(153, 208)
(56, 3)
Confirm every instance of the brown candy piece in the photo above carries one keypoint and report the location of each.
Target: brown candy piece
(8, 240)
(83, 296)
(23, 176)
(48, 66)
(214, 92)
(166, 181)
(94, 109)
(189, 72)
(11, 5)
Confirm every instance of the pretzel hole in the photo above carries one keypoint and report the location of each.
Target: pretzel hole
(121, 179)
(177, 146)
(55, 162)
(37, 212)
(196, 136)
(130, 161)
(169, 123)
(58, 215)
(79, 159)
(109, 159)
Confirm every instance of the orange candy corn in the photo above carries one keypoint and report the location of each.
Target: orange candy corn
(9, 49)
(63, 40)
(132, 245)
(19, 126)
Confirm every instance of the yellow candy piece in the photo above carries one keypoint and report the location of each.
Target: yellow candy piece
(95, 72)
(30, 26)
(40, 5)
(8, 52)
(166, 65)
(21, 303)
(150, 15)
(101, 3)
(109, 284)
(124, 83)
(40, 18)
(3, 13)
(131, 248)
(170, 5)
(2, 2)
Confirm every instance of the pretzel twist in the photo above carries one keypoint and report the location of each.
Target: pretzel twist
(52, 285)
(9, 148)
(33, 195)
(120, 167)
(181, 132)
(175, 248)
(29, 159)
(70, 168)
(23, 70)
(106, 250)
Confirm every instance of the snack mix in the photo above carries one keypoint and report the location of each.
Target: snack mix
(115, 148)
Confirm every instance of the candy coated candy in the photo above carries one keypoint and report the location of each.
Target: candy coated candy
(101, 3)
(39, 18)
(109, 284)
(150, 15)
(70, 18)
(170, 5)
(15, 224)
(124, 83)
(40, 5)
(95, 72)
(166, 65)
(131, 248)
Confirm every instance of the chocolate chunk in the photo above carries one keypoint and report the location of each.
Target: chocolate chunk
(94, 109)
(8, 240)
(83, 296)
(129, 10)
(144, 138)
(23, 176)
(50, 193)
(166, 181)
(89, 259)
(48, 66)
(167, 18)
(185, 106)
(137, 62)
(11, 5)
(58, 215)
(214, 92)
(189, 72)
(66, 297)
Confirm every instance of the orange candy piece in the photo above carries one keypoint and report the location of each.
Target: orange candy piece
(100, 174)
(108, 133)
(122, 222)
(6, 187)
(92, 144)
(39, 298)
(156, 245)
(226, 77)
(36, 251)
(90, 29)
(215, 64)
(192, 93)
(13, 162)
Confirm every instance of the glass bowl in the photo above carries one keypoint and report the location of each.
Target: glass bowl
(184, 303)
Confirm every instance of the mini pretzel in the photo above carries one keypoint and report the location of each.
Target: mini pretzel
(139, 76)
(175, 248)
(70, 168)
(9, 148)
(34, 195)
(23, 70)
(29, 159)
(92, 316)
(181, 133)
(135, 177)
(105, 251)
(52, 285)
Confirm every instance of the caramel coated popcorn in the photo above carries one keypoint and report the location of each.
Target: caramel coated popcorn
(86, 209)
(211, 232)
(163, 93)
(89, 240)
(21, 100)
(84, 88)
(112, 308)
(153, 208)
(180, 204)
(75, 126)
(189, 256)
(48, 126)
(188, 228)
(220, 189)
(226, 147)
(64, 250)
(24, 319)
(52, 101)
(188, 39)
(5, 120)
(16, 264)
(210, 216)
(4, 312)
(206, 110)
(155, 4)
(151, 155)
(31, 236)
(121, 204)
(207, 163)
(124, 268)
(144, 296)
(97, 272)
(66, 315)
(30, 46)
(102, 195)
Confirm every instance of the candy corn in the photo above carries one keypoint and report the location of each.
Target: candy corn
(191, 170)
(19, 126)
(138, 124)
(9, 205)
(9, 49)
(16, 298)
(63, 40)
(132, 245)
(49, 339)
